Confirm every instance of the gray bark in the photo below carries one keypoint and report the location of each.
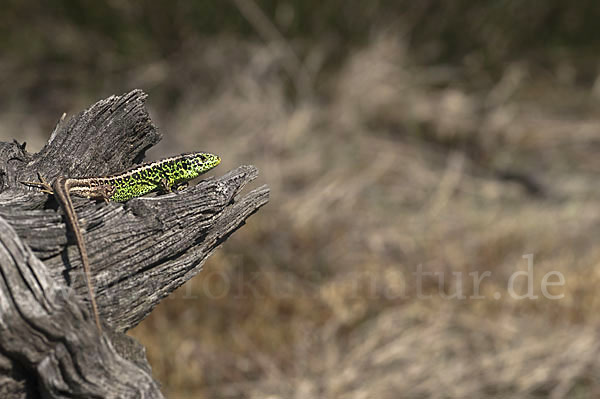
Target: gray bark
(140, 251)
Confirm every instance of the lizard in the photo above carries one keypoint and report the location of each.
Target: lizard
(162, 176)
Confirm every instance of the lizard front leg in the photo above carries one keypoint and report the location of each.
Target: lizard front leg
(163, 186)
(181, 186)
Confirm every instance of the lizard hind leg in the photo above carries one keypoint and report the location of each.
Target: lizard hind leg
(42, 184)
(101, 193)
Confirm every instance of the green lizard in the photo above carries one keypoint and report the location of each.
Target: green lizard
(163, 176)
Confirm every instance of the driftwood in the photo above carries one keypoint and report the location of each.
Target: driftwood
(140, 251)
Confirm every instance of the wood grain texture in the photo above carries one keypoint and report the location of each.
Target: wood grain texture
(140, 252)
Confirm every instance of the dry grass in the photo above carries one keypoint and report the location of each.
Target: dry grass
(401, 165)
(394, 166)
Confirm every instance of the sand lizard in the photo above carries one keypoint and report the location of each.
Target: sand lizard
(163, 176)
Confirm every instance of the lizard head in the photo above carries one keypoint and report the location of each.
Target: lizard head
(196, 163)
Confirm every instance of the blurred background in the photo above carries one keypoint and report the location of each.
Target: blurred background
(419, 153)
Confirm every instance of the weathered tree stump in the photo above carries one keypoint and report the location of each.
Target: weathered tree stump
(140, 252)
